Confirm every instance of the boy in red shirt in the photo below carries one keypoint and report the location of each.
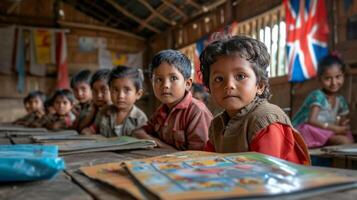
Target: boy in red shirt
(181, 122)
(235, 71)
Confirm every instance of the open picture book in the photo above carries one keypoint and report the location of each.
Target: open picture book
(203, 175)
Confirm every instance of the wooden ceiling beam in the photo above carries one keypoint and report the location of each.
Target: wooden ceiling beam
(158, 9)
(128, 14)
(12, 8)
(100, 28)
(110, 16)
(194, 4)
(148, 6)
(175, 8)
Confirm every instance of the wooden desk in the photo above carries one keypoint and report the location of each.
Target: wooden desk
(337, 160)
(71, 184)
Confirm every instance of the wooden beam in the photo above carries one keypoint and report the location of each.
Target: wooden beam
(171, 5)
(128, 14)
(12, 8)
(106, 13)
(194, 4)
(148, 6)
(27, 20)
(158, 9)
(100, 28)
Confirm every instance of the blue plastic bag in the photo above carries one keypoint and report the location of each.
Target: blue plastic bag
(29, 162)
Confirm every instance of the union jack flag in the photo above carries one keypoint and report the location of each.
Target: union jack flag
(307, 35)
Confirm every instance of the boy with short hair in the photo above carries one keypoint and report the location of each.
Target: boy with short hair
(122, 117)
(235, 71)
(82, 92)
(100, 96)
(34, 105)
(64, 118)
(181, 121)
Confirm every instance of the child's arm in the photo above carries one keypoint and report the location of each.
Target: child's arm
(87, 119)
(338, 129)
(141, 134)
(278, 140)
(197, 131)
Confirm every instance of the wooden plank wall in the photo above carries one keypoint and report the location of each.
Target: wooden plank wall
(11, 106)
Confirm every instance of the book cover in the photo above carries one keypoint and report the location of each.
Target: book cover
(115, 175)
(196, 175)
(105, 144)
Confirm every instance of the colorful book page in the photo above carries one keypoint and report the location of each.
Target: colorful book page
(195, 175)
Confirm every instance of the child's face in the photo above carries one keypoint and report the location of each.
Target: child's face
(101, 94)
(27, 107)
(233, 83)
(332, 79)
(124, 93)
(35, 104)
(82, 92)
(169, 84)
(62, 105)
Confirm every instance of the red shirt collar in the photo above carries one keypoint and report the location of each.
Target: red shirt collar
(184, 103)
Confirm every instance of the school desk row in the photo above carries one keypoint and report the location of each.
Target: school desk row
(71, 184)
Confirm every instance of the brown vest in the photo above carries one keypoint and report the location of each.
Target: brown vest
(235, 134)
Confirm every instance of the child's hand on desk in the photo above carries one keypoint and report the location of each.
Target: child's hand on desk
(87, 131)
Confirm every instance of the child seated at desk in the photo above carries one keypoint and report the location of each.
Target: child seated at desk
(83, 94)
(122, 117)
(322, 118)
(235, 71)
(181, 121)
(64, 118)
(34, 105)
(100, 94)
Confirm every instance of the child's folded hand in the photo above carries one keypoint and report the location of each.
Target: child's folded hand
(87, 131)
(342, 129)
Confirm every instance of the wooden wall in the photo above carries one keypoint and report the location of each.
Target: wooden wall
(40, 13)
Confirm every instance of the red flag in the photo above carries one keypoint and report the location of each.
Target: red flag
(61, 58)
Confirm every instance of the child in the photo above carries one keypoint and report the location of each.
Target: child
(34, 105)
(63, 118)
(122, 117)
(83, 93)
(322, 117)
(101, 96)
(235, 71)
(181, 121)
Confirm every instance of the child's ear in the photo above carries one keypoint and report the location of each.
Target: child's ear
(139, 93)
(260, 89)
(188, 84)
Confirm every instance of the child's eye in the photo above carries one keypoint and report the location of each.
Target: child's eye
(173, 78)
(218, 79)
(127, 89)
(157, 80)
(240, 77)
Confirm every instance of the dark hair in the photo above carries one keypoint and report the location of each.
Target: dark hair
(63, 93)
(35, 94)
(200, 89)
(175, 58)
(81, 76)
(100, 75)
(250, 49)
(327, 62)
(133, 73)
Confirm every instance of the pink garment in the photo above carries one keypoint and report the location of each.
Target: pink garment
(316, 137)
